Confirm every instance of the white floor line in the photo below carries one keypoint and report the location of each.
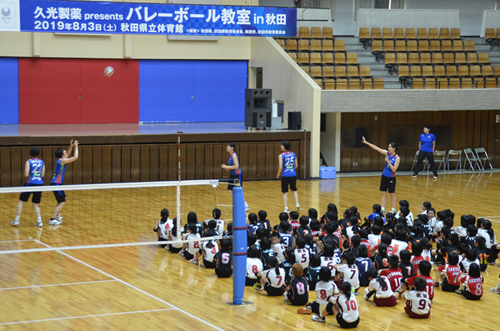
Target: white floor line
(63, 284)
(86, 316)
(13, 240)
(132, 286)
(490, 216)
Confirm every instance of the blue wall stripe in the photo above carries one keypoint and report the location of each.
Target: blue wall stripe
(9, 91)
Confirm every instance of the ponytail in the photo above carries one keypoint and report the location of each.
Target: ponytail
(346, 288)
(277, 270)
(164, 215)
(381, 281)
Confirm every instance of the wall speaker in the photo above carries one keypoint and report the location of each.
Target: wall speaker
(294, 120)
(258, 108)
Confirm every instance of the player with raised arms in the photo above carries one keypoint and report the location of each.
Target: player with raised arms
(62, 159)
(388, 181)
(233, 165)
(34, 169)
(287, 165)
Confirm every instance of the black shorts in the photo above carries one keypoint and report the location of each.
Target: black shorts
(468, 295)
(209, 264)
(230, 184)
(388, 183)
(173, 249)
(223, 273)
(188, 255)
(60, 195)
(314, 306)
(37, 196)
(346, 325)
(447, 287)
(162, 239)
(274, 291)
(286, 181)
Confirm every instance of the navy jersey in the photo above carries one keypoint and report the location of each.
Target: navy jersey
(252, 228)
(407, 269)
(364, 264)
(337, 255)
(199, 228)
(387, 172)
(36, 167)
(231, 163)
(59, 173)
(287, 265)
(289, 161)
(298, 293)
(313, 276)
(265, 256)
(286, 239)
(224, 260)
(470, 240)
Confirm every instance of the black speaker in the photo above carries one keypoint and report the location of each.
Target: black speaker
(258, 108)
(294, 120)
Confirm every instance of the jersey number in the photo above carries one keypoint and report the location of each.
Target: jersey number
(301, 289)
(351, 305)
(323, 294)
(255, 269)
(421, 304)
(225, 258)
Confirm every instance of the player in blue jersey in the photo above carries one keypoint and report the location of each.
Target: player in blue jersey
(388, 181)
(34, 170)
(62, 159)
(234, 166)
(426, 146)
(287, 165)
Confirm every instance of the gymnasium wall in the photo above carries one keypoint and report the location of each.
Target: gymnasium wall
(292, 84)
(453, 129)
(9, 92)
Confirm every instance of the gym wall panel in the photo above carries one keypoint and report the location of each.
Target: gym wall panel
(9, 91)
(49, 91)
(192, 91)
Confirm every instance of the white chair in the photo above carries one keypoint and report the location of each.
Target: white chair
(483, 157)
(440, 157)
(425, 163)
(471, 157)
(454, 156)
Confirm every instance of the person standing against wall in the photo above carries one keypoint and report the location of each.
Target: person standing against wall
(426, 146)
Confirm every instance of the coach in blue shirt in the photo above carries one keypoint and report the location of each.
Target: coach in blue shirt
(427, 145)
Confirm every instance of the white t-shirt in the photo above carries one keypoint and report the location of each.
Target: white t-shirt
(432, 222)
(348, 308)
(466, 263)
(193, 247)
(419, 302)
(279, 250)
(220, 225)
(382, 292)
(461, 231)
(484, 233)
(274, 279)
(325, 290)
(175, 244)
(426, 254)
(302, 257)
(351, 274)
(398, 246)
(164, 228)
(329, 262)
(374, 239)
(209, 252)
(349, 232)
(254, 265)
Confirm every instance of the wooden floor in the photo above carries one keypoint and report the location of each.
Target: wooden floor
(141, 288)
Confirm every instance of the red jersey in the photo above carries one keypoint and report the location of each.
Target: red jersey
(367, 244)
(416, 261)
(395, 276)
(430, 284)
(452, 273)
(390, 251)
(295, 224)
(475, 285)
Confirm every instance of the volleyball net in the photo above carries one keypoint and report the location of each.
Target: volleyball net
(105, 215)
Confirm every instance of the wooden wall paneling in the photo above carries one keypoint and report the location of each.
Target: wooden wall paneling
(469, 130)
(25, 155)
(490, 142)
(135, 163)
(438, 118)
(348, 119)
(209, 161)
(242, 150)
(401, 117)
(381, 139)
(200, 161)
(483, 141)
(392, 119)
(126, 164)
(220, 157)
(189, 159)
(356, 157)
(144, 165)
(411, 118)
(116, 164)
(455, 130)
(50, 163)
(462, 130)
(172, 162)
(163, 164)
(154, 166)
(16, 167)
(5, 166)
(97, 164)
(268, 160)
(368, 119)
(365, 162)
(346, 159)
(477, 129)
(184, 163)
(86, 160)
(252, 162)
(106, 164)
(261, 159)
(496, 130)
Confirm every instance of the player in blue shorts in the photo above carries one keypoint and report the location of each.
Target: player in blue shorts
(234, 166)
(62, 159)
(287, 165)
(34, 169)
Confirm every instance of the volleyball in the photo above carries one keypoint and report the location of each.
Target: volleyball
(109, 71)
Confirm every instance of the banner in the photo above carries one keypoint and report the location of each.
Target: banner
(147, 18)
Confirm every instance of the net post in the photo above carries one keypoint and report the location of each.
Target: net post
(239, 245)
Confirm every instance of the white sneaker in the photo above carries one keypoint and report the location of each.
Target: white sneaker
(316, 318)
(39, 224)
(59, 217)
(193, 261)
(54, 222)
(435, 178)
(247, 207)
(393, 211)
(287, 210)
(15, 223)
(181, 253)
(414, 177)
(297, 206)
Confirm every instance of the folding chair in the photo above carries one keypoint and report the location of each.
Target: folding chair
(471, 157)
(454, 156)
(483, 158)
(425, 163)
(440, 157)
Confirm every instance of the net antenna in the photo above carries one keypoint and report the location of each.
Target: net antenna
(179, 177)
